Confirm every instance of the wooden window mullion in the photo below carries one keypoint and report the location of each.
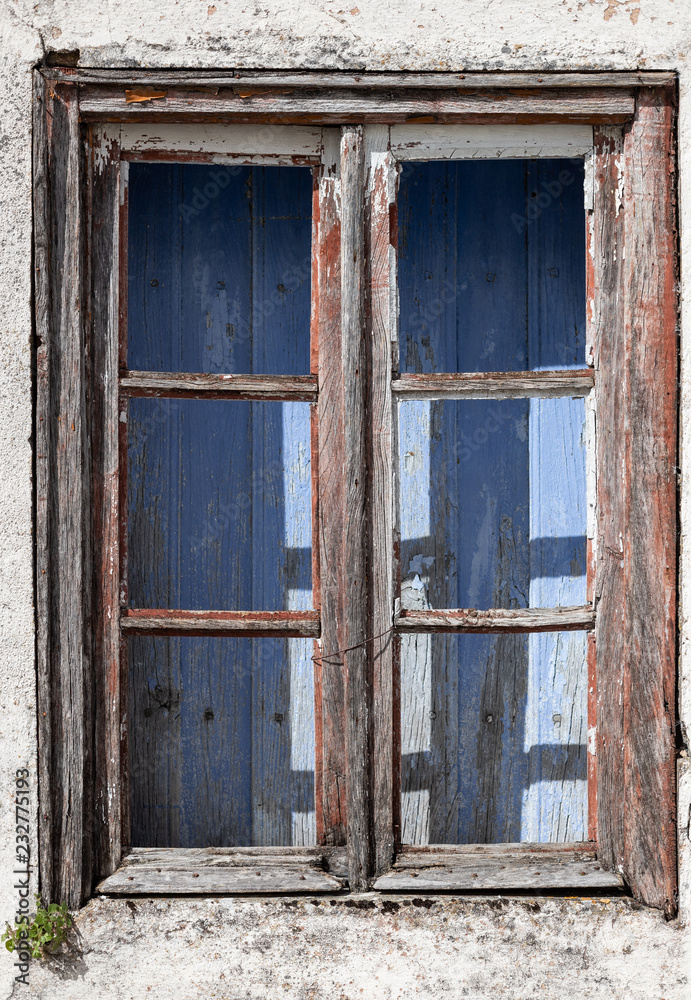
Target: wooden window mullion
(329, 682)
(382, 334)
(356, 603)
(108, 436)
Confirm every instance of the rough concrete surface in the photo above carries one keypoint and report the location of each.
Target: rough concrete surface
(318, 948)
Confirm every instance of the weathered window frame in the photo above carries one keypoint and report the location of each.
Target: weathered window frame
(632, 318)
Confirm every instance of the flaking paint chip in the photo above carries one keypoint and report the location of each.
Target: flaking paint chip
(143, 94)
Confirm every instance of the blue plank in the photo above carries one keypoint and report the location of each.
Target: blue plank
(220, 506)
(492, 501)
(224, 286)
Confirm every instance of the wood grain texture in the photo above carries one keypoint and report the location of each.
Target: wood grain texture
(106, 186)
(329, 675)
(495, 620)
(43, 284)
(505, 870)
(138, 621)
(333, 106)
(356, 610)
(65, 697)
(494, 385)
(382, 336)
(174, 385)
(634, 321)
(213, 871)
(365, 80)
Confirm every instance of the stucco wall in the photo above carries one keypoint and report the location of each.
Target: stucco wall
(299, 949)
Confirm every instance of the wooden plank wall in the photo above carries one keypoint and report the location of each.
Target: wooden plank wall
(492, 501)
(221, 730)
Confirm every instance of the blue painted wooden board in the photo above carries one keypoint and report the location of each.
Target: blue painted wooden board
(222, 288)
(492, 502)
(221, 730)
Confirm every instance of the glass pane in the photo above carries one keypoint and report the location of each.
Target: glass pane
(219, 261)
(491, 265)
(493, 738)
(492, 503)
(221, 742)
(219, 505)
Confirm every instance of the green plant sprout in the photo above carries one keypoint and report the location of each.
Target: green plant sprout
(46, 929)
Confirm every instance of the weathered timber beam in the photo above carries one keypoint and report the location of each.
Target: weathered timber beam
(496, 620)
(512, 869)
(355, 514)
(321, 105)
(203, 386)
(364, 80)
(416, 855)
(212, 871)
(281, 624)
(494, 385)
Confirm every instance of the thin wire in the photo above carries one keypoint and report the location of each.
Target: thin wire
(347, 649)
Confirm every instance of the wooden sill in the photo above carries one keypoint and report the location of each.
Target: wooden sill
(497, 866)
(147, 871)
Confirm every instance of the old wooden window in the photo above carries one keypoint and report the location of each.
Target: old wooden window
(355, 477)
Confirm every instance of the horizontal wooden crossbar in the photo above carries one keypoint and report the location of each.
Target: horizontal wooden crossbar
(496, 620)
(319, 105)
(182, 385)
(495, 385)
(361, 81)
(250, 624)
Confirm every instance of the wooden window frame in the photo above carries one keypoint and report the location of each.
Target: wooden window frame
(79, 234)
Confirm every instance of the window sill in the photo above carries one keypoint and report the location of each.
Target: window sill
(497, 866)
(260, 870)
(147, 871)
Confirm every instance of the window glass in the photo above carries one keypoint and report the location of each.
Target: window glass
(219, 268)
(492, 503)
(493, 738)
(221, 742)
(220, 505)
(491, 265)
